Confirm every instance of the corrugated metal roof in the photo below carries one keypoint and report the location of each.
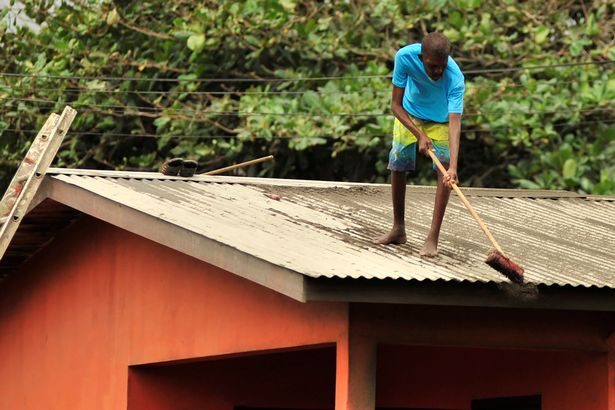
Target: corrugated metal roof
(325, 229)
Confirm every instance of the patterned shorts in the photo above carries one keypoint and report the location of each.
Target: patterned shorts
(403, 152)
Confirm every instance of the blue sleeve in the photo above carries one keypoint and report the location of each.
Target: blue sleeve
(455, 99)
(400, 73)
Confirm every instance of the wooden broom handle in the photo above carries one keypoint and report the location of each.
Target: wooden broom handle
(466, 203)
(240, 165)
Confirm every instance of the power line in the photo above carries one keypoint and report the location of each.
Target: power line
(357, 135)
(528, 127)
(193, 80)
(177, 92)
(290, 79)
(107, 134)
(171, 110)
(85, 91)
(538, 67)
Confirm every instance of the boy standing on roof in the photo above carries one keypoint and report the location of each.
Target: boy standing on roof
(427, 102)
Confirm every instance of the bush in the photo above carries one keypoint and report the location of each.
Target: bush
(135, 70)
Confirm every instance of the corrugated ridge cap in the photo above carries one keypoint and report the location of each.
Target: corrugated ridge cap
(487, 192)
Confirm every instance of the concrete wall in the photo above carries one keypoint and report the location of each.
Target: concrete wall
(474, 353)
(450, 378)
(100, 299)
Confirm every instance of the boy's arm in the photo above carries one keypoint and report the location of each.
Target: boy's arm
(403, 117)
(454, 131)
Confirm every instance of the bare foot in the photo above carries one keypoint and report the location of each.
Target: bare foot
(397, 236)
(430, 249)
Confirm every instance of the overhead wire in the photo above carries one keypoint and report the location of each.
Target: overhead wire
(174, 92)
(290, 79)
(347, 135)
(303, 114)
(172, 110)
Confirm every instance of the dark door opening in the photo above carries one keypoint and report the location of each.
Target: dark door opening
(271, 408)
(508, 403)
(377, 408)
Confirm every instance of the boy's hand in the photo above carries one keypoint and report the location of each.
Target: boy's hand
(451, 177)
(425, 145)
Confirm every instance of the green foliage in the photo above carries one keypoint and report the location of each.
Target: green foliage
(136, 68)
(585, 165)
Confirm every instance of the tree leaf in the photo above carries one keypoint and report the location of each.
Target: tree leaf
(113, 17)
(289, 5)
(542, 33)
(160, 122)
(569, 170)
(196, 42)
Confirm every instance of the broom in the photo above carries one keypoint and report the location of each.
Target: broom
(240, 165)
(496, 259)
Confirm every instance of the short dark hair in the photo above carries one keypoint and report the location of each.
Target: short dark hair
(436, 44)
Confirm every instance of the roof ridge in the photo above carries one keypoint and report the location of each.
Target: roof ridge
(470, 191)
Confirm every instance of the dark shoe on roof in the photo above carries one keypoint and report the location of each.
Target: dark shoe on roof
(188, 168)
(172, 166)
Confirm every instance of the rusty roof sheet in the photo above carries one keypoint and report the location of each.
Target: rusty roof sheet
(324, 229)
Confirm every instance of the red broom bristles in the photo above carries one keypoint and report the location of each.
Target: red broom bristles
(505, 266)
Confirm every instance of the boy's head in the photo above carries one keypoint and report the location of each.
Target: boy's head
(435, 49)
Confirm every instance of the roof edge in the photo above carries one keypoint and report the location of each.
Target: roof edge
(209, 178)
(250, 267)
(456, 293)
(485, 192)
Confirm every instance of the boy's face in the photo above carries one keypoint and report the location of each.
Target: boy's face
(434, 65)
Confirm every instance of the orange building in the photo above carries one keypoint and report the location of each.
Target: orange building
(139, 291)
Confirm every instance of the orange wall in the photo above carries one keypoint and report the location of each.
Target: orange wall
(449, 378)
(99, 299)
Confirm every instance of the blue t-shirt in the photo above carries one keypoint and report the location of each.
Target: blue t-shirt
(425, 98)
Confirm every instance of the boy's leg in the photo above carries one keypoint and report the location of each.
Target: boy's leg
(430, 249)
(402, 158)
(397, 235)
